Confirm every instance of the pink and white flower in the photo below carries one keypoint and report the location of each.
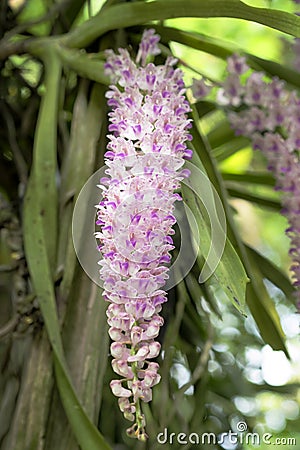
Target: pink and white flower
(145, 157)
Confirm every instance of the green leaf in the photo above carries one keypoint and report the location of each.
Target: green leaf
(38, 249)
(232, 276)
(257, 298)
(233, 181)
(229, 148)
(262, 178)
(204, 107)
(223, 49)
(198, 291)
(87, 435)
(221, 134)
(78, 165)
(264, 312)
(33, 11)
(135, 13)
(204, 151)
(197, 41)
(272, 273)
(275, 69)
(85, 432)
(258, 199)
(44, 164)
(226, 267)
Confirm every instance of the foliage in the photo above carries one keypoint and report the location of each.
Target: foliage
(54, 344)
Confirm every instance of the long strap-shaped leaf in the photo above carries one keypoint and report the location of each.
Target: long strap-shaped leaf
(129, 14)
(257, 297)
(229, 272)
(223, 49)
(39, 235)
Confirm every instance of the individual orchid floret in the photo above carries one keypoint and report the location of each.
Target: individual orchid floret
(148, 46)
(237, 64)
(232, 91)
(144, 159)
(200, 88)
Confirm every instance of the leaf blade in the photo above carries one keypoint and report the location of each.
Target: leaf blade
(227, 267)
(129, 14)
(40, 255)
(257, 298)
(272, 272)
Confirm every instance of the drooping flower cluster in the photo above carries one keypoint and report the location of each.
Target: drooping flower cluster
(269, 115)
(144, 161)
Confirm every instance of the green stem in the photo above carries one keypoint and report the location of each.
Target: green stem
(137, 430)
